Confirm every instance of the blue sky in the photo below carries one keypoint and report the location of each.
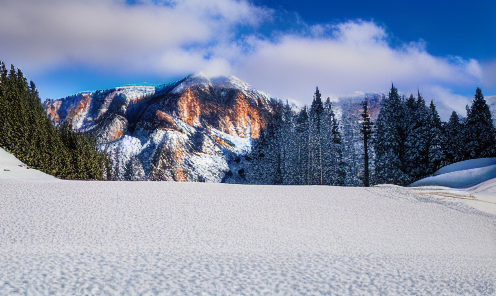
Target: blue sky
(285, 48)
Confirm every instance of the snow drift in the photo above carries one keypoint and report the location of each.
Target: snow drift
(462, 174)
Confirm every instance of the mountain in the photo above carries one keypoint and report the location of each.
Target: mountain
(194, 129)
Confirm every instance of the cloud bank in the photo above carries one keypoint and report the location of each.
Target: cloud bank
(179, 37)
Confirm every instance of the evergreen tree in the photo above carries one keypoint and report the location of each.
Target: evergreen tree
(417, 143)
(316, 173)
(338, 171)
(26, 131)
(389, 146)
(437, 158)
(479, 129)
(302, 135)
(453, 133)
(366, 130)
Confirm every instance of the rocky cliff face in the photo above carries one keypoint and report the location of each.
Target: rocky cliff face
(195, 129)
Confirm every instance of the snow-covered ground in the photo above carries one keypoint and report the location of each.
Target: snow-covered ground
(12, 168)
(151, 238)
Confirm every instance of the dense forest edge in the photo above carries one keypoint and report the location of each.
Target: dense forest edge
(309, 146)
(27, 133)
(406, 143)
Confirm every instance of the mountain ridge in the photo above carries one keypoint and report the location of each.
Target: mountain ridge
(185, 130)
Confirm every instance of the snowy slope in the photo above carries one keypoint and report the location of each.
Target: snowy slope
(466, 165)
(462, 174)
(153, 238)
(459, 179)
(12, 168)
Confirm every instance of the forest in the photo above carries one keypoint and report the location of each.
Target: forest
(406, 143)
(26, 132)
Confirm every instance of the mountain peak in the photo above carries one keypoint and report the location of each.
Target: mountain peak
(203, 80)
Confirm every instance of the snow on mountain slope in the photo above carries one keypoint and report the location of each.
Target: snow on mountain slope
(187, 130)
(12, 168)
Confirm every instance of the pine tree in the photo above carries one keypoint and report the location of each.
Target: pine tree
(366, 130)
(437, 158)
(389, 146)
(453, 134)
(338, 173)
(26, 131)
(315, 140)
(417, 142)
(479, 129)
(302, 134)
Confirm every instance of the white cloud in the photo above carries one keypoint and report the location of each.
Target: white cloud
(355, 56)
(446, 101)
(113, 34)
(177, 37)
(489, 74)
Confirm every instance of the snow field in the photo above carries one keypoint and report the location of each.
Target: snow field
(148, 238)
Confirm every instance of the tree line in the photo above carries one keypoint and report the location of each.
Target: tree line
(310, 146)
(27, 133)
(407, 142)
(412, 142)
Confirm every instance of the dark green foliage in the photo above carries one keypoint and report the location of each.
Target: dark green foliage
(26, 131)
(453, 133)
(366, 130)
(436, 140)
(390, 142)
(479, 134)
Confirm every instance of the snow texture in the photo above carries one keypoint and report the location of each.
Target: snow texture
(12, 168)
(463, 174)
(166, 238)
(466, 165)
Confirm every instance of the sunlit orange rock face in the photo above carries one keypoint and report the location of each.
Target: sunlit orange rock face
(189, 108)
(230, 112)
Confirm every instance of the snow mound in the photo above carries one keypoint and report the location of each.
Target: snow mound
(459, 178)
(12, 168)
(466, 165)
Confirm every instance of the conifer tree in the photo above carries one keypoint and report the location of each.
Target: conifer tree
(26, 131)
(338, 171)
(389, 146)
(437, 158)
(417, 143)
(453, 133)
(316, 174)
(302, 132)
(366, 130)
(479, 129)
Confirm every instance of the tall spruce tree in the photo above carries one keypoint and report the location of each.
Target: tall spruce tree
(366, 130)
(315, 139)
(437, 142)
(418, 133)
(453, 133)
(389, 145)
(479, 129)
(302, 135)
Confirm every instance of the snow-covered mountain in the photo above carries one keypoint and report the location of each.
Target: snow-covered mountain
(187, 130)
